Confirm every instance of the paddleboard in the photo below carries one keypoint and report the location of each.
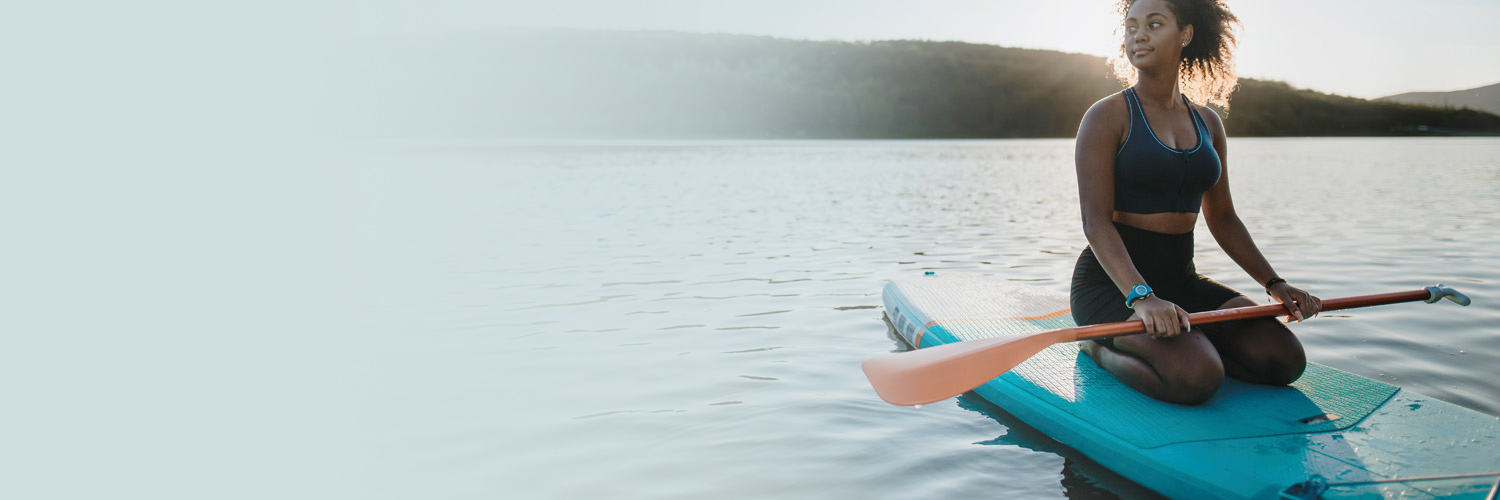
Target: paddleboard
(1330, 435)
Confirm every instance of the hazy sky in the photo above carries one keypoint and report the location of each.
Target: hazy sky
(1367, 48)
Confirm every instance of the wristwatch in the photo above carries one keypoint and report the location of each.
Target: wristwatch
(1137, 292)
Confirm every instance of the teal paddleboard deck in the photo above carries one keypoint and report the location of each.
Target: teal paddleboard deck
(1331, 434)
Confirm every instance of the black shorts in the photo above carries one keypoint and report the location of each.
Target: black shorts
(1164, 260)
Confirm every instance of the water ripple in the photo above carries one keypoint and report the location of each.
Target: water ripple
(718, 225)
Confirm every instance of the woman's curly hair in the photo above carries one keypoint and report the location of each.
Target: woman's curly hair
(1206, 73)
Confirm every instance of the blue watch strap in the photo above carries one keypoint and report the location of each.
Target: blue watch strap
(1137, 292)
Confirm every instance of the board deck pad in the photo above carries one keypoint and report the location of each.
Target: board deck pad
(953, 307)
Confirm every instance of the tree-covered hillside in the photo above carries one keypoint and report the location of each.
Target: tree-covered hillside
(1486, 98)
(595, 83)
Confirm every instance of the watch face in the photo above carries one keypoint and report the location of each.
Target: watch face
(1140, 289)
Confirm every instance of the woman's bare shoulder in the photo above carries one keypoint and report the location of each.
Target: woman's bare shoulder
(1110, 109)
(1212, 120)
(1106, 116)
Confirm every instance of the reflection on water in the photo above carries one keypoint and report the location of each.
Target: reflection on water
(687, 320)
(1081, 477)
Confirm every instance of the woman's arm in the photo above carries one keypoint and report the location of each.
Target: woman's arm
(1099, 137)
(1227, 228)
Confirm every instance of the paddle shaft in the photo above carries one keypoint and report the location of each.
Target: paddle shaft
(939, 372)
(1107, 330)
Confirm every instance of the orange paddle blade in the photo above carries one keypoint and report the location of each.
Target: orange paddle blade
(940, 372)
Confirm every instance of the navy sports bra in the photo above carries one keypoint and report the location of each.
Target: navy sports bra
(1151, 178)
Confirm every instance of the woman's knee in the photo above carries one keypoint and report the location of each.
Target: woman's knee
(1193, 381)
(1284, 368)
(1189, 368)
(1280, 360)
(1194, 395)
(1263, 351)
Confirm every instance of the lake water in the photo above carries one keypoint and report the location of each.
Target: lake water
(687, 320)
(653, 319)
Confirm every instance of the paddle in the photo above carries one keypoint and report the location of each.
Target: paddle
(936, 373)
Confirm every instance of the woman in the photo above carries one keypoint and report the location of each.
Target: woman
(1148, 159)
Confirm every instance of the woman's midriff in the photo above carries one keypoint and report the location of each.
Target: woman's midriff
(1168, 223)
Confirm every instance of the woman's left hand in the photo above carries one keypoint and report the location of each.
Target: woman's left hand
(1303, 305)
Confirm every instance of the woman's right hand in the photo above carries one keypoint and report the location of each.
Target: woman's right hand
(1163, 319)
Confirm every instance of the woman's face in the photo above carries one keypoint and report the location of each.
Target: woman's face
(1152, 38)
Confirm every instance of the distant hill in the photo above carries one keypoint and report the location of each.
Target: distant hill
(636, 84)
(1485, 98)
(1262, 108)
